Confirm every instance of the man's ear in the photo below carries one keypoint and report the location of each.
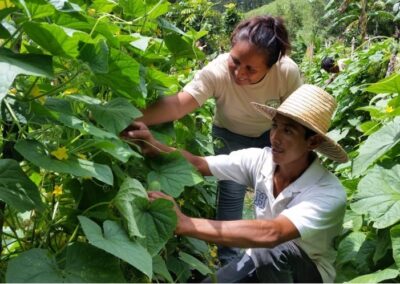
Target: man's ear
(314, 141)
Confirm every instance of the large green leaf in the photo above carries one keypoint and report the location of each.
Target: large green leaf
(182, 47)
(115, 115)
(390, 84)
(35, 152)
(156, 221)
(349, 247)
(39, 8)
(378, 196)
(56, 39)
(116, 148)
(123, 73)
(129, 190)
(113, 239)
(96, 55)
(173, 173)
(376, 145)
(195, 263)
(84, 263)
(377, 276)
(16, 189)
(12, 64)
(395, 237)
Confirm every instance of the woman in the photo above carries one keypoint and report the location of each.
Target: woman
(257, 69)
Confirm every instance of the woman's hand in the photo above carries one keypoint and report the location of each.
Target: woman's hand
(139, 133)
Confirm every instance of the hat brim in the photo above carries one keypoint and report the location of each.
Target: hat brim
(329, 148)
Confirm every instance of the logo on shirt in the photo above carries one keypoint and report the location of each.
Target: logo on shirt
(260, 199)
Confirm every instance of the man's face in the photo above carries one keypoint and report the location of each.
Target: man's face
(288, 142)
(246, 63)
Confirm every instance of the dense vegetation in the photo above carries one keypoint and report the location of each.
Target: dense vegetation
(75, 73)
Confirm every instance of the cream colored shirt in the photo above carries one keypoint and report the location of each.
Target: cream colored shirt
(233, 109)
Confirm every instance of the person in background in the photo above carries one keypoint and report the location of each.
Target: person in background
(299, 204)
(331, 66)
(257, 69)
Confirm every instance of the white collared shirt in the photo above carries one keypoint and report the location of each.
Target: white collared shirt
(315, 203)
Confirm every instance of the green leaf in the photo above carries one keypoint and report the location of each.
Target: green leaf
(115, 115)
(96, 55)
(123, 73)
(56, 39)
(165, 24)
(352, 221)
(156, 221)
(376, 145)
(378, 196)
(129, 190)
(395, 237)
(158, 78)
(390, 84)
(35, 153)
(195, 263)
(141, 8)
(84, 263)
(173, 173)
(16, 189)
(160, 268)
(377, 276)
(113, 239)
(39, 8)
(349, 247)
(12, 64)
(182, 47)
(65, 6)
(116, 148)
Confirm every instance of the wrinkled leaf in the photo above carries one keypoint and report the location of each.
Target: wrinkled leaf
(376, 145)
(378, 196)
(16, 189)
(173, 173)
(349, 247)
(113, 239)
(129, 190)
(35, 153)
(156, 221)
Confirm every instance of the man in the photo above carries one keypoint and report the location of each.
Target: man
(299, 205)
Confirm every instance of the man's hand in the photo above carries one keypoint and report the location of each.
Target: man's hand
(153, 195)
(138, 133)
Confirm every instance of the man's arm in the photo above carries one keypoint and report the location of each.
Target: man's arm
(169, 108)
(239, 233)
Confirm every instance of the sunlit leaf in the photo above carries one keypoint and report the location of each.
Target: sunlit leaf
(395, 237)
(16, 189)
(378, 196)
(390, 84)
(377, 276)
(12, 64)
(113, 239)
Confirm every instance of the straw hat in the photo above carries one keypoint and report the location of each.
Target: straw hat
(313, 108)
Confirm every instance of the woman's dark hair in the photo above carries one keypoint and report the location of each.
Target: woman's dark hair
(267, 33)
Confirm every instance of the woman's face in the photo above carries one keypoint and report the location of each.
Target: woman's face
(247, 64)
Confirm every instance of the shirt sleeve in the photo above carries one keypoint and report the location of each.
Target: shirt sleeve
(239, 166)
(293, 78)
(318, 211)
(203, 86)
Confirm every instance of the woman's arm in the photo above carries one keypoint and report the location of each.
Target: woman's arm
(169, 108)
